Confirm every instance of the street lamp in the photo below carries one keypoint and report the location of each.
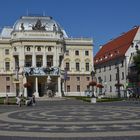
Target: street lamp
(93, 83)
(118, 81)
(17, 79)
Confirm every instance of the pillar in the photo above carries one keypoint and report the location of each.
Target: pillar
(44, 58)
(59, 87)
(21, 58)
(33, 58)
(25, 89)
(36, 87)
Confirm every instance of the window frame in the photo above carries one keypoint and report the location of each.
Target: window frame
(77, 53)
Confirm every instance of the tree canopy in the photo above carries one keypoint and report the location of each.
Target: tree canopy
(137, 61)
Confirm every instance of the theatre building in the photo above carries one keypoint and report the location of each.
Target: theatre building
(37, 56)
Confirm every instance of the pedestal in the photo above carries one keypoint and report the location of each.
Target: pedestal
(93, 100)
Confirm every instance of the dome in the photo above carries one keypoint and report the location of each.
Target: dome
(37, 23)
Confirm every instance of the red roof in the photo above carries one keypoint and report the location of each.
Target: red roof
(115, 48)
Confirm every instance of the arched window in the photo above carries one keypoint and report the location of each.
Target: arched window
(15, 49)
(38, 48)
(28, 49)
(76, 52)
(49, 49)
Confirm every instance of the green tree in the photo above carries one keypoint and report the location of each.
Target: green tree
(137, 61)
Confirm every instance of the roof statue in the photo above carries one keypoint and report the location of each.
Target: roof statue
(22, 26)
(34, 23)
(38, 26)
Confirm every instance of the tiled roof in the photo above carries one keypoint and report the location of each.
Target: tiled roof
(115, 48)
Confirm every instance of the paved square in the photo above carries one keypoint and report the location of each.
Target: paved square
(71, 119)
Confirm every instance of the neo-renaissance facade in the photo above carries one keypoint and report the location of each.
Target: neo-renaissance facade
(37, 56)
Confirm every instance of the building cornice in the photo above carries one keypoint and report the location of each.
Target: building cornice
(37, 40)
(79, 41)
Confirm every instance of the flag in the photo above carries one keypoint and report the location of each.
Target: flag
(65, 74)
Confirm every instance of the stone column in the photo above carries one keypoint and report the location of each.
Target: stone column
(21, 58)
(25, 89)
(55, 57)
(36, 87)
(44, 57)
(33, 58)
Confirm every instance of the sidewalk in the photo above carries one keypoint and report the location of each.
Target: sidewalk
(50, 98)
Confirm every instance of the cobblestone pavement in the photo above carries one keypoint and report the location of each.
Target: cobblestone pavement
(71, 120)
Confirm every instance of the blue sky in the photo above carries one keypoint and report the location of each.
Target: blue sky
(101, 20)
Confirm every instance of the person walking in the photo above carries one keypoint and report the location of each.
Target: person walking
(18, 101)
(33, 100)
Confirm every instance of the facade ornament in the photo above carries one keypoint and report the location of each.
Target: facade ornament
(22, 26)
(54, 28)
(39, 26)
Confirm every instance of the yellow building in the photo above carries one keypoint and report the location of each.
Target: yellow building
(36, 53)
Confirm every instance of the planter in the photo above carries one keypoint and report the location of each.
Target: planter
(99, 85)
(26, 85)
(92, 83)
(93, 100)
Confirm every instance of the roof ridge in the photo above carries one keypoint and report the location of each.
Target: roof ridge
(120, 43)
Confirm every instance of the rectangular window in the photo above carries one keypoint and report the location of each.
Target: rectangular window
(86, 53)
(88, 78)
(60, 60)
(7, 78)
(122, 75)
(6, 51)
(76, 52)
(110, 78)
(67, 66)
(16, 61)
(87, 66)
(88, 87)
(7, 66)
(78, 88)
(78, 78)
(49, 60)
(110, 88)
(7, 89)
(28, 60)
(39, 60)
(68, 88)
(122, 63)
(67, 52)
(77, 66)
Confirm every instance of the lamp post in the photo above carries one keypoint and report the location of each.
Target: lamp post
(92, 76)
(17, 79)
(118, 81)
